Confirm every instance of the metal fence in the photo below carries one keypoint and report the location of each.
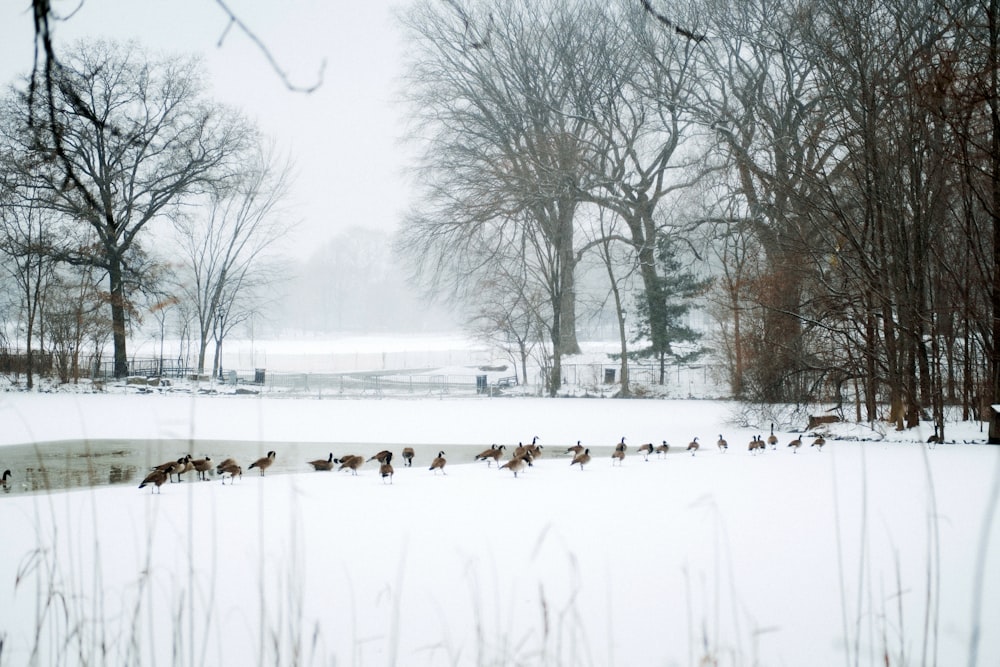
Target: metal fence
(679, 381)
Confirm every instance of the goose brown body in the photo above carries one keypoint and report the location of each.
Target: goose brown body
(772, 439)
(350, 462)
(385, 469)
(517, 463)
(264, 462)
(381, 456)
(202, 467)
(439, 463)
(618, 456)
(154, 480)
(172, 468)
(408, 456)
(491, 455)
(581, 459)
(231, 468)
(322, 464)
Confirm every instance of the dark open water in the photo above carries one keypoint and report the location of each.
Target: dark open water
(74, 464)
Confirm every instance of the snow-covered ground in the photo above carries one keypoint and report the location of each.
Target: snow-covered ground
(865, 553)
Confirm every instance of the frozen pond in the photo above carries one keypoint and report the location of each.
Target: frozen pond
(74, 464)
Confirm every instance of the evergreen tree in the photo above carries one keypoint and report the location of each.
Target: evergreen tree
(661, 315)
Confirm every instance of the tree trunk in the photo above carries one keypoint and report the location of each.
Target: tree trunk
(117, 290)
(567, 281)
(994, 104)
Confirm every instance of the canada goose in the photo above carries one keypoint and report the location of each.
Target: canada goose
(583, 458)
(155, 479)
(263, 463)
(520, 450)
(178, 467)
(172, 468)
(755, 444)
(381, 456)
(662, 449)
(818, 443)
(202, 466)
(517, 464)
(693, 446)
(6, 476)
(646, 450)
(618, 455)
(322, 464)
(795, 444)
(534, 449)
(621, 446)
(439, 463)
(408, 456)
(229, 467)
(188, 466)
(575, 449)
(385, 469)
(350, 462)
(491, 455)
(772, 439)
(722, 444)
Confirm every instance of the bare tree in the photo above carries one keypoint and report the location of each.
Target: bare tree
(135, 136)
(504, 144)
(761, 98)
(25, 227)
(224, 244)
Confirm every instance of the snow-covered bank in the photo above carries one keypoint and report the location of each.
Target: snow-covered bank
(815, 558)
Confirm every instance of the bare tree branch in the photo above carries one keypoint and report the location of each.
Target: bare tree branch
(665, 20)
(235, 20)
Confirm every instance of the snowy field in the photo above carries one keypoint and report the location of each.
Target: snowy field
(874, 553)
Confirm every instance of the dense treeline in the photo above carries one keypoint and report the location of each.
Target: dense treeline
(832, 165)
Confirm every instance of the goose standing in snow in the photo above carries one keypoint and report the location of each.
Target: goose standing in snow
(229, 467)
(202, 467)
(154, 480)
(264, 462)
(350, 462)
(772, 439)
(439, 463)
(517, 464)
(322, 464)
(385, 469)
(491, 455)
(583, 458)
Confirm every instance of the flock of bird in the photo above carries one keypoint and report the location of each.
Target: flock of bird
(521, 457)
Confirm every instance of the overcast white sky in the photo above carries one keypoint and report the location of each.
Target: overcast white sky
(343, 137)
